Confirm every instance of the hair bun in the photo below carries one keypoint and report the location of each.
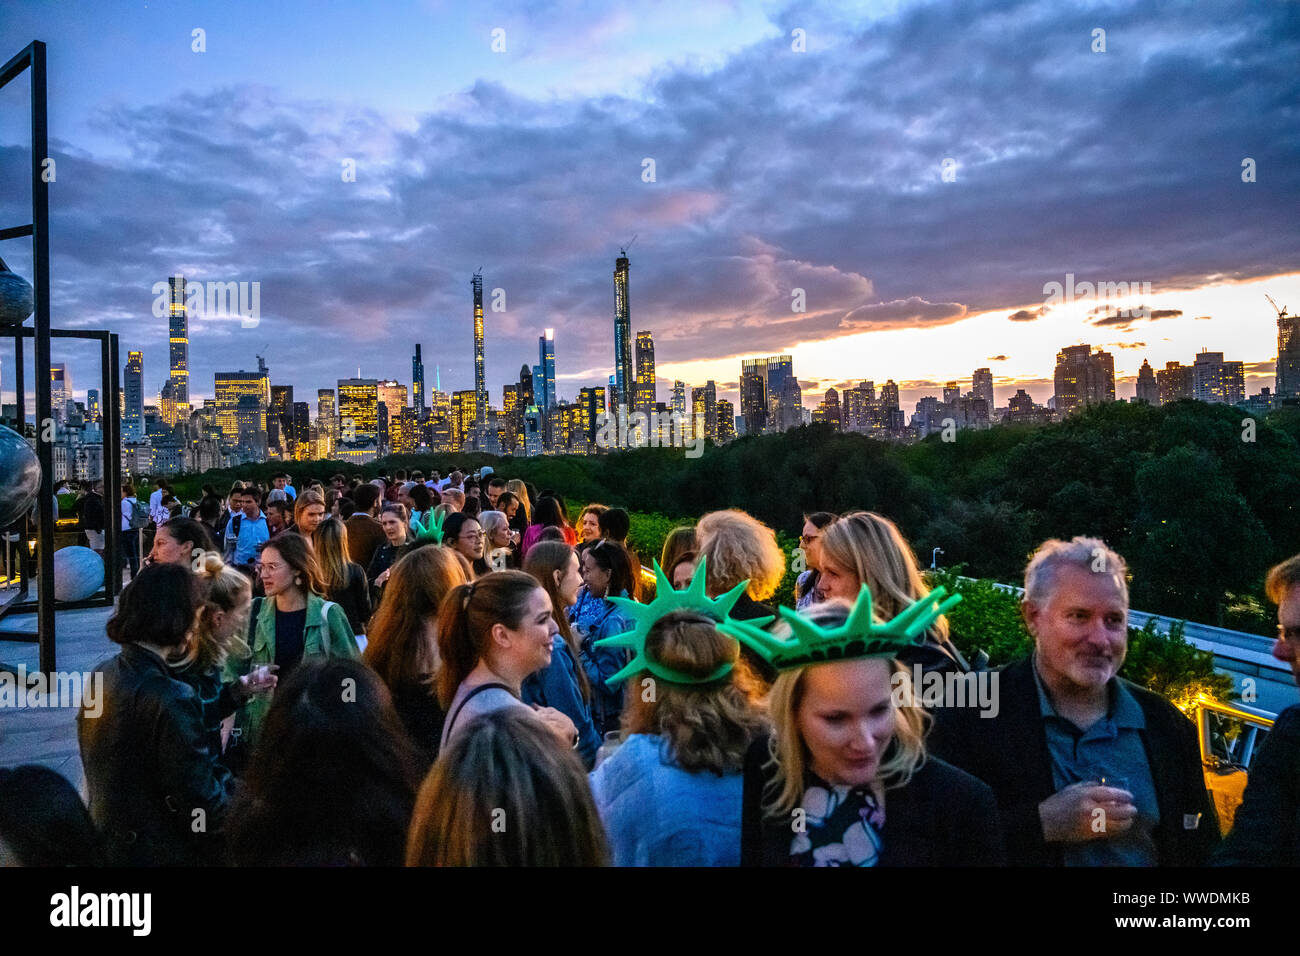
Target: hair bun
(212, 563)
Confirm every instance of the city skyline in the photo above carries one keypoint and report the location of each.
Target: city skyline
(912, 268)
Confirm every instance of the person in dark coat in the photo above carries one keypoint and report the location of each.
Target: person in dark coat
(395, 522)
(151, 775)
(1266, 830)
(844, 779)
(1089, 769)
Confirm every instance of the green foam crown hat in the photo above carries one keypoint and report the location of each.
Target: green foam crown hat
(859, 636)
(430, 527)
(667, 600)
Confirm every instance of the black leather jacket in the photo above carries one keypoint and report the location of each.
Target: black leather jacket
(154, 788)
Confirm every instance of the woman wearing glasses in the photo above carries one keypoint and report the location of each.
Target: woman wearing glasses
(290, 623)
(806, 591)
(464, 534)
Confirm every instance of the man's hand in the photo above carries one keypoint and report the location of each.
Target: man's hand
(1086, 811)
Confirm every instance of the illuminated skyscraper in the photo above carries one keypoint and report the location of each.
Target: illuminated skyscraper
(464, 406)
(179, 341)
(327, 423)
(480, 388)
(230, 389)
(359, 409)
(60, 390)
(417, 382)
(645, 392)
(133, 398)
(679, 397)
(544, 391)
(623, 380)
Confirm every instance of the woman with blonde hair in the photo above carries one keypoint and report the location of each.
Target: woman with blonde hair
(221, 625)
(524, 516)
(844, 779)
(739, 547)
(344, 580)
(670, 795)
(403, 640)
(861, 548)
(505, 769)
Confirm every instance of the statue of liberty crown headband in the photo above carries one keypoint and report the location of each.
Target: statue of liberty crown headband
(859, 636)
(430, 528)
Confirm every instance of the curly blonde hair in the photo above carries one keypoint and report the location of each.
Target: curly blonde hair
(739, 547)
(706, 726)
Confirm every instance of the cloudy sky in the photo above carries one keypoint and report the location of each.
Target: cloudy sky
(920, 170)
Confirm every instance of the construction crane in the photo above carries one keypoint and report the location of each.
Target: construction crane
(622, 250)
(1281, 313)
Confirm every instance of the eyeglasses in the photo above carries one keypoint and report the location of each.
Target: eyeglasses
(1289, 633)
(472, 535)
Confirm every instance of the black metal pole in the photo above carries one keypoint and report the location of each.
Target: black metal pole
(44, 413)
(111, 462)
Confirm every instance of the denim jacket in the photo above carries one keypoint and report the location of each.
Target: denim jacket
(593, 619)
(556, 685)
(657, 814)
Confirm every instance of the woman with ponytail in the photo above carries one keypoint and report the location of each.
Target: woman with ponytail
(492, 634)
(222, 622)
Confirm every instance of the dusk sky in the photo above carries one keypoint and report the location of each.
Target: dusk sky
(775, 169)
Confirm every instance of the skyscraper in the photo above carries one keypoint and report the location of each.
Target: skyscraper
(1214, 380)
(327, 423)
(1147, 390)
(1288, 356)
(93, 410)
(623, 380)
(279, 419)
(1083, 377)
(230, 389)
(417, 381)
(982, 385)
(179, 341)
(133, 398)
(1174, 382)
(679, 397)
(60, 390)
(645, 391)
(546, 397)
(480, 386)
(753, 395)
(359, 409)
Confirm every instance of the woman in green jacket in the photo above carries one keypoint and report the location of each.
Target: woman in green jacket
(291, 623)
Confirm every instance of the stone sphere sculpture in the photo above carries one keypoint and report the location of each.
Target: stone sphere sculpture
(78, 573)
(17, 299)
(20, 476)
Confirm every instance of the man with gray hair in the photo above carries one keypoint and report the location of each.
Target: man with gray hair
(1089, 769)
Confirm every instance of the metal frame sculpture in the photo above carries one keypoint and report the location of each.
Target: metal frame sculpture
(33, 58)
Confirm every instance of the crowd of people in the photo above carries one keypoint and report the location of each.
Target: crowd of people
(447, 671)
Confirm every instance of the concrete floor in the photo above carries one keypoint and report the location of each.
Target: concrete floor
(48, 736)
